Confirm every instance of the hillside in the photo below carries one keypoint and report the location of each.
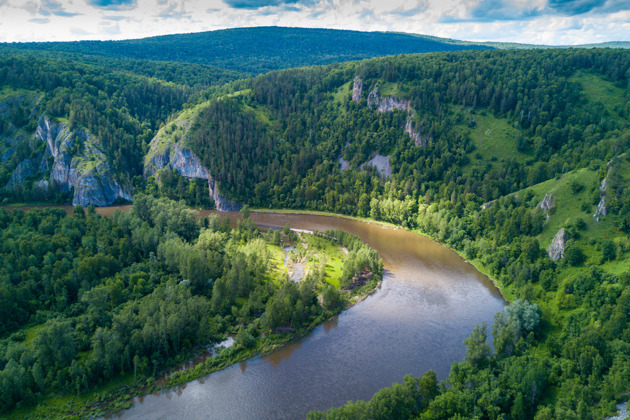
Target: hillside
(257, 50)
(517, 159)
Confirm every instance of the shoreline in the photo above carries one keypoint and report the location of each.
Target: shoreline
(479, 267)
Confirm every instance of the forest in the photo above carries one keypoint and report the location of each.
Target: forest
(496, 154)
(86, 300)
(256, 50)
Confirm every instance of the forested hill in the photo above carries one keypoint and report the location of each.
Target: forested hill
(258, 50)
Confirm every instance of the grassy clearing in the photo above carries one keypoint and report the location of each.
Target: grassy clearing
(494, 139)
(598, 90)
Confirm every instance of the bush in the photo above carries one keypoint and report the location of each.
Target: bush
(574, 255)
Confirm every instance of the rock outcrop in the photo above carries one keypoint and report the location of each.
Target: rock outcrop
(413, 133)
(220, 202)
(74, 163)
(486, 206)
(343, 164)
(392, 103)
(78, 164)
(381, 163)
(387, 104)
(25, 169)
(357, 89)
(168, 152)
(601, 207)
(556, 249)
(546, 204)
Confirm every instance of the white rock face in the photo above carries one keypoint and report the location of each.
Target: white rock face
(343, 164)
(556, 249)
(77, 164)
(387, 104)
(167, 152)
(392, 103)
(220, 202)
(601, 207)
(357, 89)
(381, 163)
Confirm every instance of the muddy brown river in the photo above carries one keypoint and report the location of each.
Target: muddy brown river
(429, 301)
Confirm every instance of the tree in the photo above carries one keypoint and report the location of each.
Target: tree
(477, 349)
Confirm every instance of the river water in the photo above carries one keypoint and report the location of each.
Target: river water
(429, 301)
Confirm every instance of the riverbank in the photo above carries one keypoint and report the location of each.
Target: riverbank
(118, 393)
(475, 262)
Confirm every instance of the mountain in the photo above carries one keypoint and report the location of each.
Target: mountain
(257, 50)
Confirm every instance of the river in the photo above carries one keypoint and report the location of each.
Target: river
(429, 301)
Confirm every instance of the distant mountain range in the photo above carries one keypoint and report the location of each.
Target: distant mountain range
(259, 50)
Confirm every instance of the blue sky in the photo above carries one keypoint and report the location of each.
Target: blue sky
(539, 21)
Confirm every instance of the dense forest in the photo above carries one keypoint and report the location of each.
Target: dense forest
(492, 134)
(516, 159)
(85, 299)
(257, 50)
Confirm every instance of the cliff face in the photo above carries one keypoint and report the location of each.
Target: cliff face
(167, 151)
(74, 162)
(357, 89)
(392, 103)
(556, 249)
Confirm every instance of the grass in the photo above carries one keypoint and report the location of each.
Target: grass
(598, 90)
(494, 139)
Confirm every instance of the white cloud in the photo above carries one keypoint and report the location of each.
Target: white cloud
(498, 20)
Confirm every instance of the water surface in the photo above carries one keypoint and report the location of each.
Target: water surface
(428, 303)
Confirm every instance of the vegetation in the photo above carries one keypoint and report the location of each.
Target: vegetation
(87, 300)
(257, 50)
(493, 133)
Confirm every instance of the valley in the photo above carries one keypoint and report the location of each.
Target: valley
(516, 159)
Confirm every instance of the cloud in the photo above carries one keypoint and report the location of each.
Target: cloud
(574, 7)
(56, 8)
(79, 31)
(41, 21)
(114, 4)
(257, 4)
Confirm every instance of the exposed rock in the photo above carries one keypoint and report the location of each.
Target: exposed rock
(181, 159)
(344, 164)
(25, 169)
(78, 163)
(357, 89)
(392, 103)
(220, 202)
(556, 249)
(373, 99)
(546, 204)
(167, 151)
(413, 133)
(601, 207)
(381, 163)
(487, 205)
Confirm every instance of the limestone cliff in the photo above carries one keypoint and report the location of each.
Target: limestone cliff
(602, 210)
(357, 89)
(392, 103)
(168, 151)
(71, 161)
(556, 249)
(546, 204)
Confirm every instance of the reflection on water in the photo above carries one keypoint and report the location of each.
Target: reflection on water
(429, 301)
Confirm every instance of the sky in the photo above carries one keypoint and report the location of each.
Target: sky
(552, 22)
